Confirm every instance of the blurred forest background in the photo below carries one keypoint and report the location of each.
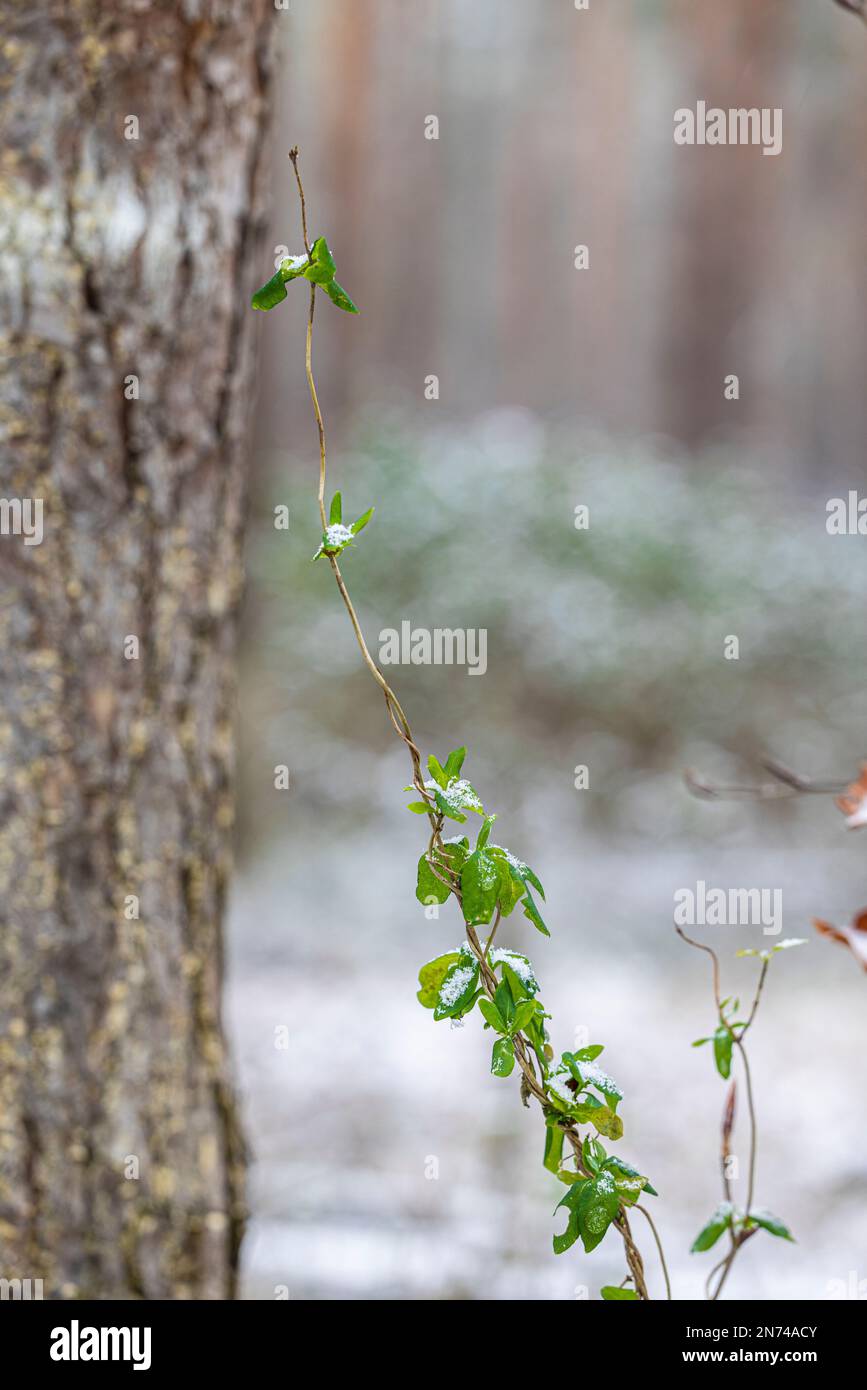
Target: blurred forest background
(557, 387)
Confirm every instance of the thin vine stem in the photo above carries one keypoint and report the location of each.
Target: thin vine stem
(649, 1219)
(738, 1239)
(522, 1045)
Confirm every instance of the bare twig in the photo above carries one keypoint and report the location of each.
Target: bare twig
(856, 7)
(786, 784)
(714, 957)
(725, 1147)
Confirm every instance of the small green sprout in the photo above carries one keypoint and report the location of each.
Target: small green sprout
(318, 268)
(336, 537)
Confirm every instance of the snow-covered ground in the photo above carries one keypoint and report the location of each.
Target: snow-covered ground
(388, 1162)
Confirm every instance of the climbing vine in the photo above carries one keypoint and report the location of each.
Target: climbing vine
(740, 1224)
(488, 882)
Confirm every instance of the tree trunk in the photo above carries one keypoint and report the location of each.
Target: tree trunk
(725, 237)
(131, 158)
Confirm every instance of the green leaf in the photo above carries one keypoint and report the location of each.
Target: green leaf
(293, 266)
(532, 912)
(458, 989)
(480, 882)
(711, 1232)
(318, 268)
(321, 268)
(554, 1137)
(503, 1057)
(270, 294)
(431, 976)
(455, 761)
(418, 808)
(337, 294)
(783, 945)
(606, 1122)
(588, 1074)
(722, 1051)
(596, 1207)
(570, 1176)
(446, 807)
(428, 886)
(454, 852)
(511, 888)
(505, 1003)
(521, 871)
(492, 1015)
(538, 1035)
(589, 1054)
(769, 1222)
(612, 1294)
(362, 521)
(457, 797)
(484, 833)
(523, 1013)
(572, 1231)
(336, 513)
(524, 984)
(531, 878)
(519, 990)
(565, 1241)
(629, 1189)
(618, 1166)
(437, 772)
(593, 1154)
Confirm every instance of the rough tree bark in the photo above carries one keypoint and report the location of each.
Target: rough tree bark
(131, 160)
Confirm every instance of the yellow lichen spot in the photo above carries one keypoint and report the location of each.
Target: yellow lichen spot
(93, 53)
(163, 1184)
(139, 737)
(218, 597)
(208, 1153)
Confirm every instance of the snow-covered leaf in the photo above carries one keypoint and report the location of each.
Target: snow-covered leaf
(713, 1229)
(431, 976)
(458, 988)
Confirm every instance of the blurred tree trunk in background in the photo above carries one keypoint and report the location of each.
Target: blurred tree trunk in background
(727, 227)
(131, 169)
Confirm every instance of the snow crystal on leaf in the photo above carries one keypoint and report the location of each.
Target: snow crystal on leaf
(521, 966)
(558, 1082)
(454, 985)
(458, 795)
(337, 535)
(597, 1219)
(517, 864)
